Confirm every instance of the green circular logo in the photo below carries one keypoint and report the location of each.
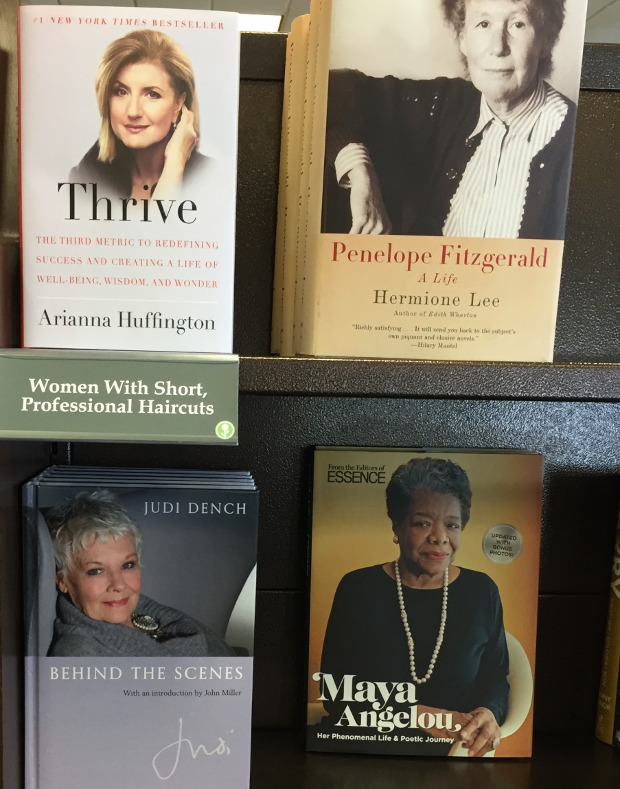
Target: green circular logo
(224, 430)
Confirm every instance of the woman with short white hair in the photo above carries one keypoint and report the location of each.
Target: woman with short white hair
(100, 610)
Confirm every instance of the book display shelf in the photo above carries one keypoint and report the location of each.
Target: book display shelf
(569, 411)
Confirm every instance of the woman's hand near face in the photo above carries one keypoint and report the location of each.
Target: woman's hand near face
(183, 140)
(178, 150)
(368, 214)
(479, 734)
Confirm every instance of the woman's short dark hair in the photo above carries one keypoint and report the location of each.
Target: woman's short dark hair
(549, 13)
(434, 474)
(75, 523)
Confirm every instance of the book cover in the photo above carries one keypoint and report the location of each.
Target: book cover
(128, 177)
(607, 707)
(139, 605)
(423, 601)
(439, 179)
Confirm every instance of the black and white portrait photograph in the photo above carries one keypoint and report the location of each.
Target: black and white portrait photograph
(452, 117)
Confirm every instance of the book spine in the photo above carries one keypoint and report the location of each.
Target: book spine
(286, 250)
(607, 705)
(284, 175)
(9, 295)
(31, 677)
(616, 728)
(313, 154)
(294, 241)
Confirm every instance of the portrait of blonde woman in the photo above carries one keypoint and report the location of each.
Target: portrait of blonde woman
(149, 129)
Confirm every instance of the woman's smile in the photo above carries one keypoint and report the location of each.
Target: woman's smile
(143, 105)
(117, 603)
(429, 536)
(104, 580)
(435, 555)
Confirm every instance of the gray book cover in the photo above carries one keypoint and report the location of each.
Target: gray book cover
(138, 665)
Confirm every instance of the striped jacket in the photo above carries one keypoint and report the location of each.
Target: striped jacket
(417, 133)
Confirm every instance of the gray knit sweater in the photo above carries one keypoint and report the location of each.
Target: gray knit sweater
(77, 635)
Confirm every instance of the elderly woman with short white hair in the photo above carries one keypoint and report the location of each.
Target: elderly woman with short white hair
(100, 609)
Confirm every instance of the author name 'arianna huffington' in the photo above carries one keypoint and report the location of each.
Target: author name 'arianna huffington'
(125, 319)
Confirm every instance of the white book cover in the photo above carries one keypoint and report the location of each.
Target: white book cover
(128, 157)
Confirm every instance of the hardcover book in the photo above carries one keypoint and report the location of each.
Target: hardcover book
(423, 601)
(128, 177)
(608, 706)
(438, 178)
(139, 620)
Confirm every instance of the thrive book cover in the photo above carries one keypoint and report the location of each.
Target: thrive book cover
(139, 623)
(439, 178)
(128, 177)
(423, 601)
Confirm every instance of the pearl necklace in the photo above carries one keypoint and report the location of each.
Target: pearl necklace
(442, 626)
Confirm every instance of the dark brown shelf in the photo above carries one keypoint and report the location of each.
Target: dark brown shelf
(268, 375)
(278, 759)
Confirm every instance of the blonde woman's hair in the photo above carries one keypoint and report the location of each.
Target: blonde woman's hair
(137, 47)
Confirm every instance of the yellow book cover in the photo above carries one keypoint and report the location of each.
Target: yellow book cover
(423, 601)
(440, 178)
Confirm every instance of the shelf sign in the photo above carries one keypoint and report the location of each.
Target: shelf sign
(119, 396)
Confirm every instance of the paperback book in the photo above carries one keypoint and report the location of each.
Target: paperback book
(139, 622)
(439, 172)
(128, 177)
(290, 217)
(423, 601)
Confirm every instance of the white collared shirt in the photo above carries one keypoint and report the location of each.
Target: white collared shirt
(490, 199)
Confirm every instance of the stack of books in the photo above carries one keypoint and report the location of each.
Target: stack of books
(139, 624)
(424, 180)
